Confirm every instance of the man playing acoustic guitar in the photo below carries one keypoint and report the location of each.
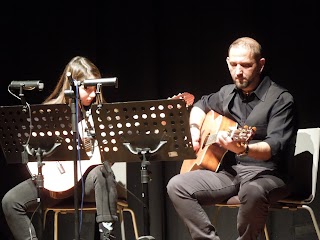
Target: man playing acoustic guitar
(249, 125)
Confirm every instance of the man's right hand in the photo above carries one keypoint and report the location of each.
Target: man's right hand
(195, 135)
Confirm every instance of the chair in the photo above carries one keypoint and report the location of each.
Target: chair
(119, 170)
(304, 169)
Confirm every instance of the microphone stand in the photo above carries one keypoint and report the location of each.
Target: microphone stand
(71, 93)
(22, 98)
(40, 154)
(145, 178)
(74, 121)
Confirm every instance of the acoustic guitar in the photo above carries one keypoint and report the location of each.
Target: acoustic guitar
(210, 154)
(59, 175)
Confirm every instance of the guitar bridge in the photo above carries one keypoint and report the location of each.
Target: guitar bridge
(60, 168)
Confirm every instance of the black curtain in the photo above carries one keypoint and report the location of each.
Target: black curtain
(156, 49)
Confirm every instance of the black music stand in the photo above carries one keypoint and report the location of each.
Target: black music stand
(143, 131)
(43, 133)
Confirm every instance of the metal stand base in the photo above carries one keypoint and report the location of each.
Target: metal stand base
(145, 238)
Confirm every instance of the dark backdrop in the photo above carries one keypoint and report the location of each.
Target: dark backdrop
(158, 48)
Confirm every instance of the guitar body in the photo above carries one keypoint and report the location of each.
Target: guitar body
(58, 176)
(210, 154)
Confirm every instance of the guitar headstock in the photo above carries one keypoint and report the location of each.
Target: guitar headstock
(187, 97)
(242, 135)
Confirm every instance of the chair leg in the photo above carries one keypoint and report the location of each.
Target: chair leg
(121, 209)
(121, 220)
(134, 222)
(266, 234)
(45, 218)
(314, 220)
(215, 215)
(56, 223)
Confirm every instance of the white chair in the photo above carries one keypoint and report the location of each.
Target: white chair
(304, 169)
(120, 171)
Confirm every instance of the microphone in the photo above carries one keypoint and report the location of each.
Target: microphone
(27, 85)
(70, 78)
(102, 81)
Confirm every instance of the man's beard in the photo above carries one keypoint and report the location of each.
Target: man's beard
(241, 85)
